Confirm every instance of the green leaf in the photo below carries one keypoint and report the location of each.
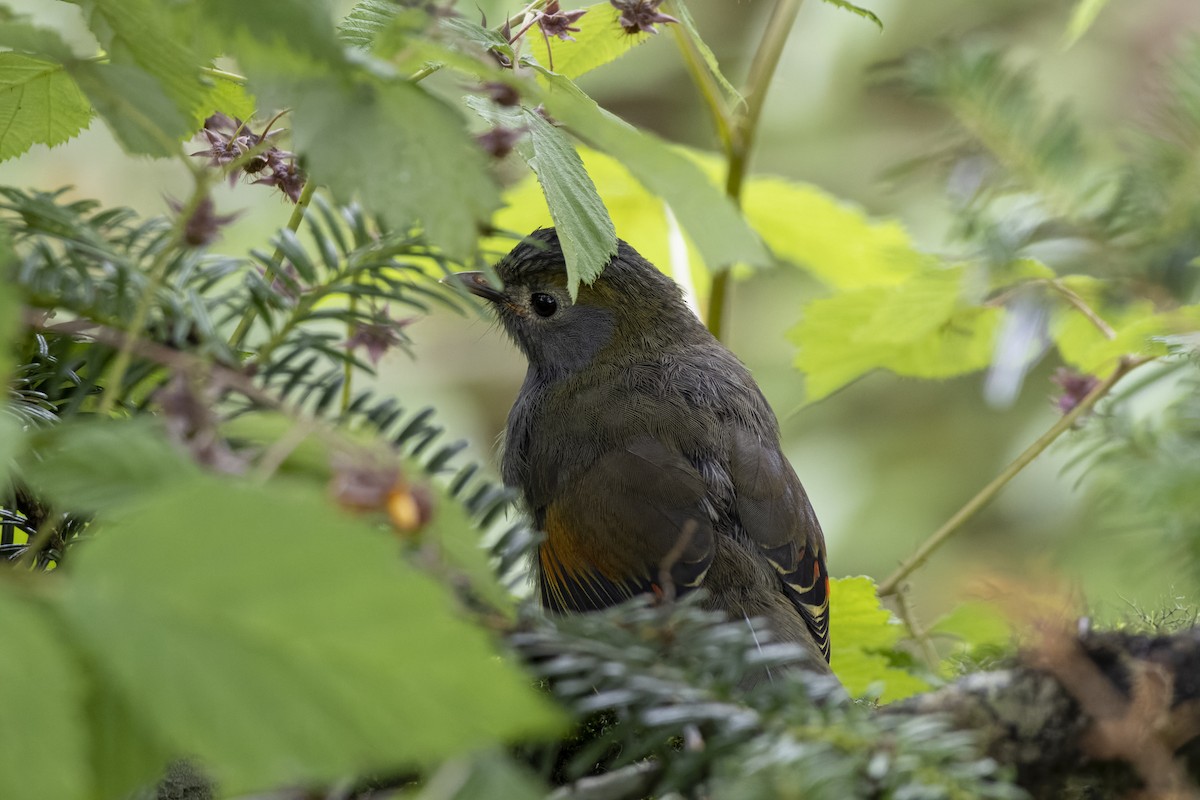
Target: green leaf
(866, 634)
(100, 465)
(1139, 328)
(43, 741)
(859, 10)
(1082, 17)
(133, 104)
(601, 39)
(976, 624)
(403, 152)
(720, 233)
(920, 328)
(366, 21)
(156, 40)
(16, 33)
(39, 104)
(585, 230)
(225, 95)
(679, 9)
(281, 643)
(837, 242)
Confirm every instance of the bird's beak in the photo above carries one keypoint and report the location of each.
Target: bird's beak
(477, 284)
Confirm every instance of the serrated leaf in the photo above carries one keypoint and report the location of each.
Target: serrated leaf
(865, 633)
(585, 230)
(679, 9)
(830, 238)
(136, 109)
(711, 220)
(282, 643)
(1082, 18)
(859, 10)
(87, 466)
(403, 152)
(39, 104)
(43, 741)
(360, 27)
(601, 39)
(638, 216)
(919, 328)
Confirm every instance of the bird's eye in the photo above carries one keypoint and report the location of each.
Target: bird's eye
(544, 305)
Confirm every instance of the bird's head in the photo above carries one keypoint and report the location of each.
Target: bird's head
(631, 305)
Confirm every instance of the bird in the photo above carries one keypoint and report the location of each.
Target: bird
(646, 453)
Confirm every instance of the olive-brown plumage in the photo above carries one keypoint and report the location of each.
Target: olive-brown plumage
(647, 454)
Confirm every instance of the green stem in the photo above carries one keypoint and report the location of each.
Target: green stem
(916, 632)
(939, 537)
(707, 86)
(766, 59)
(158, 269)
(293, 224)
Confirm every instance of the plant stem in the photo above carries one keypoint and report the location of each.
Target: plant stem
(766, 59)
(158, 268)
(916, 632)
(708, 88)
(939, 537)
(293, 224)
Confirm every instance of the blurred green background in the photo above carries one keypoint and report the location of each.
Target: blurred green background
(887, 460)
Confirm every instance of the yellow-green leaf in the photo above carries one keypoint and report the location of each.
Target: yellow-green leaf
(599, 40)
(920, 328)
(832, 239)
(1082, 17)
(863, 634)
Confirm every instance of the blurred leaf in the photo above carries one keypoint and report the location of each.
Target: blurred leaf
(100, 465)
(1138, 325)
(10, 306)
(140, 114)
(919, 328)
(865, 634)
(679, 9)
(483, 776)
(43, 741)
(837, 243)
(1082, 17)
(18, 34)
(148, 35)
(226, 96)
(403, 152)
(601, 39)
(978, 629)
(39, 104)
(260, 429)
(859, 10)
(276, 37)
(705, 213)
(280, 642)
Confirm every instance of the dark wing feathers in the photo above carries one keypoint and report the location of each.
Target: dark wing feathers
(636, 519)
(777, 517)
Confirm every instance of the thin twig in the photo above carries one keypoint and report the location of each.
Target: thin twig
(293, 224)
(939, 537)
(158, 268)
(766, 59)
(916, 631)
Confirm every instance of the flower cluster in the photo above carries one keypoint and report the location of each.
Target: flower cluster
(232, 146)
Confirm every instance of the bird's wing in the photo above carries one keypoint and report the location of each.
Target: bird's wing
(635, 522)
(777, 517)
